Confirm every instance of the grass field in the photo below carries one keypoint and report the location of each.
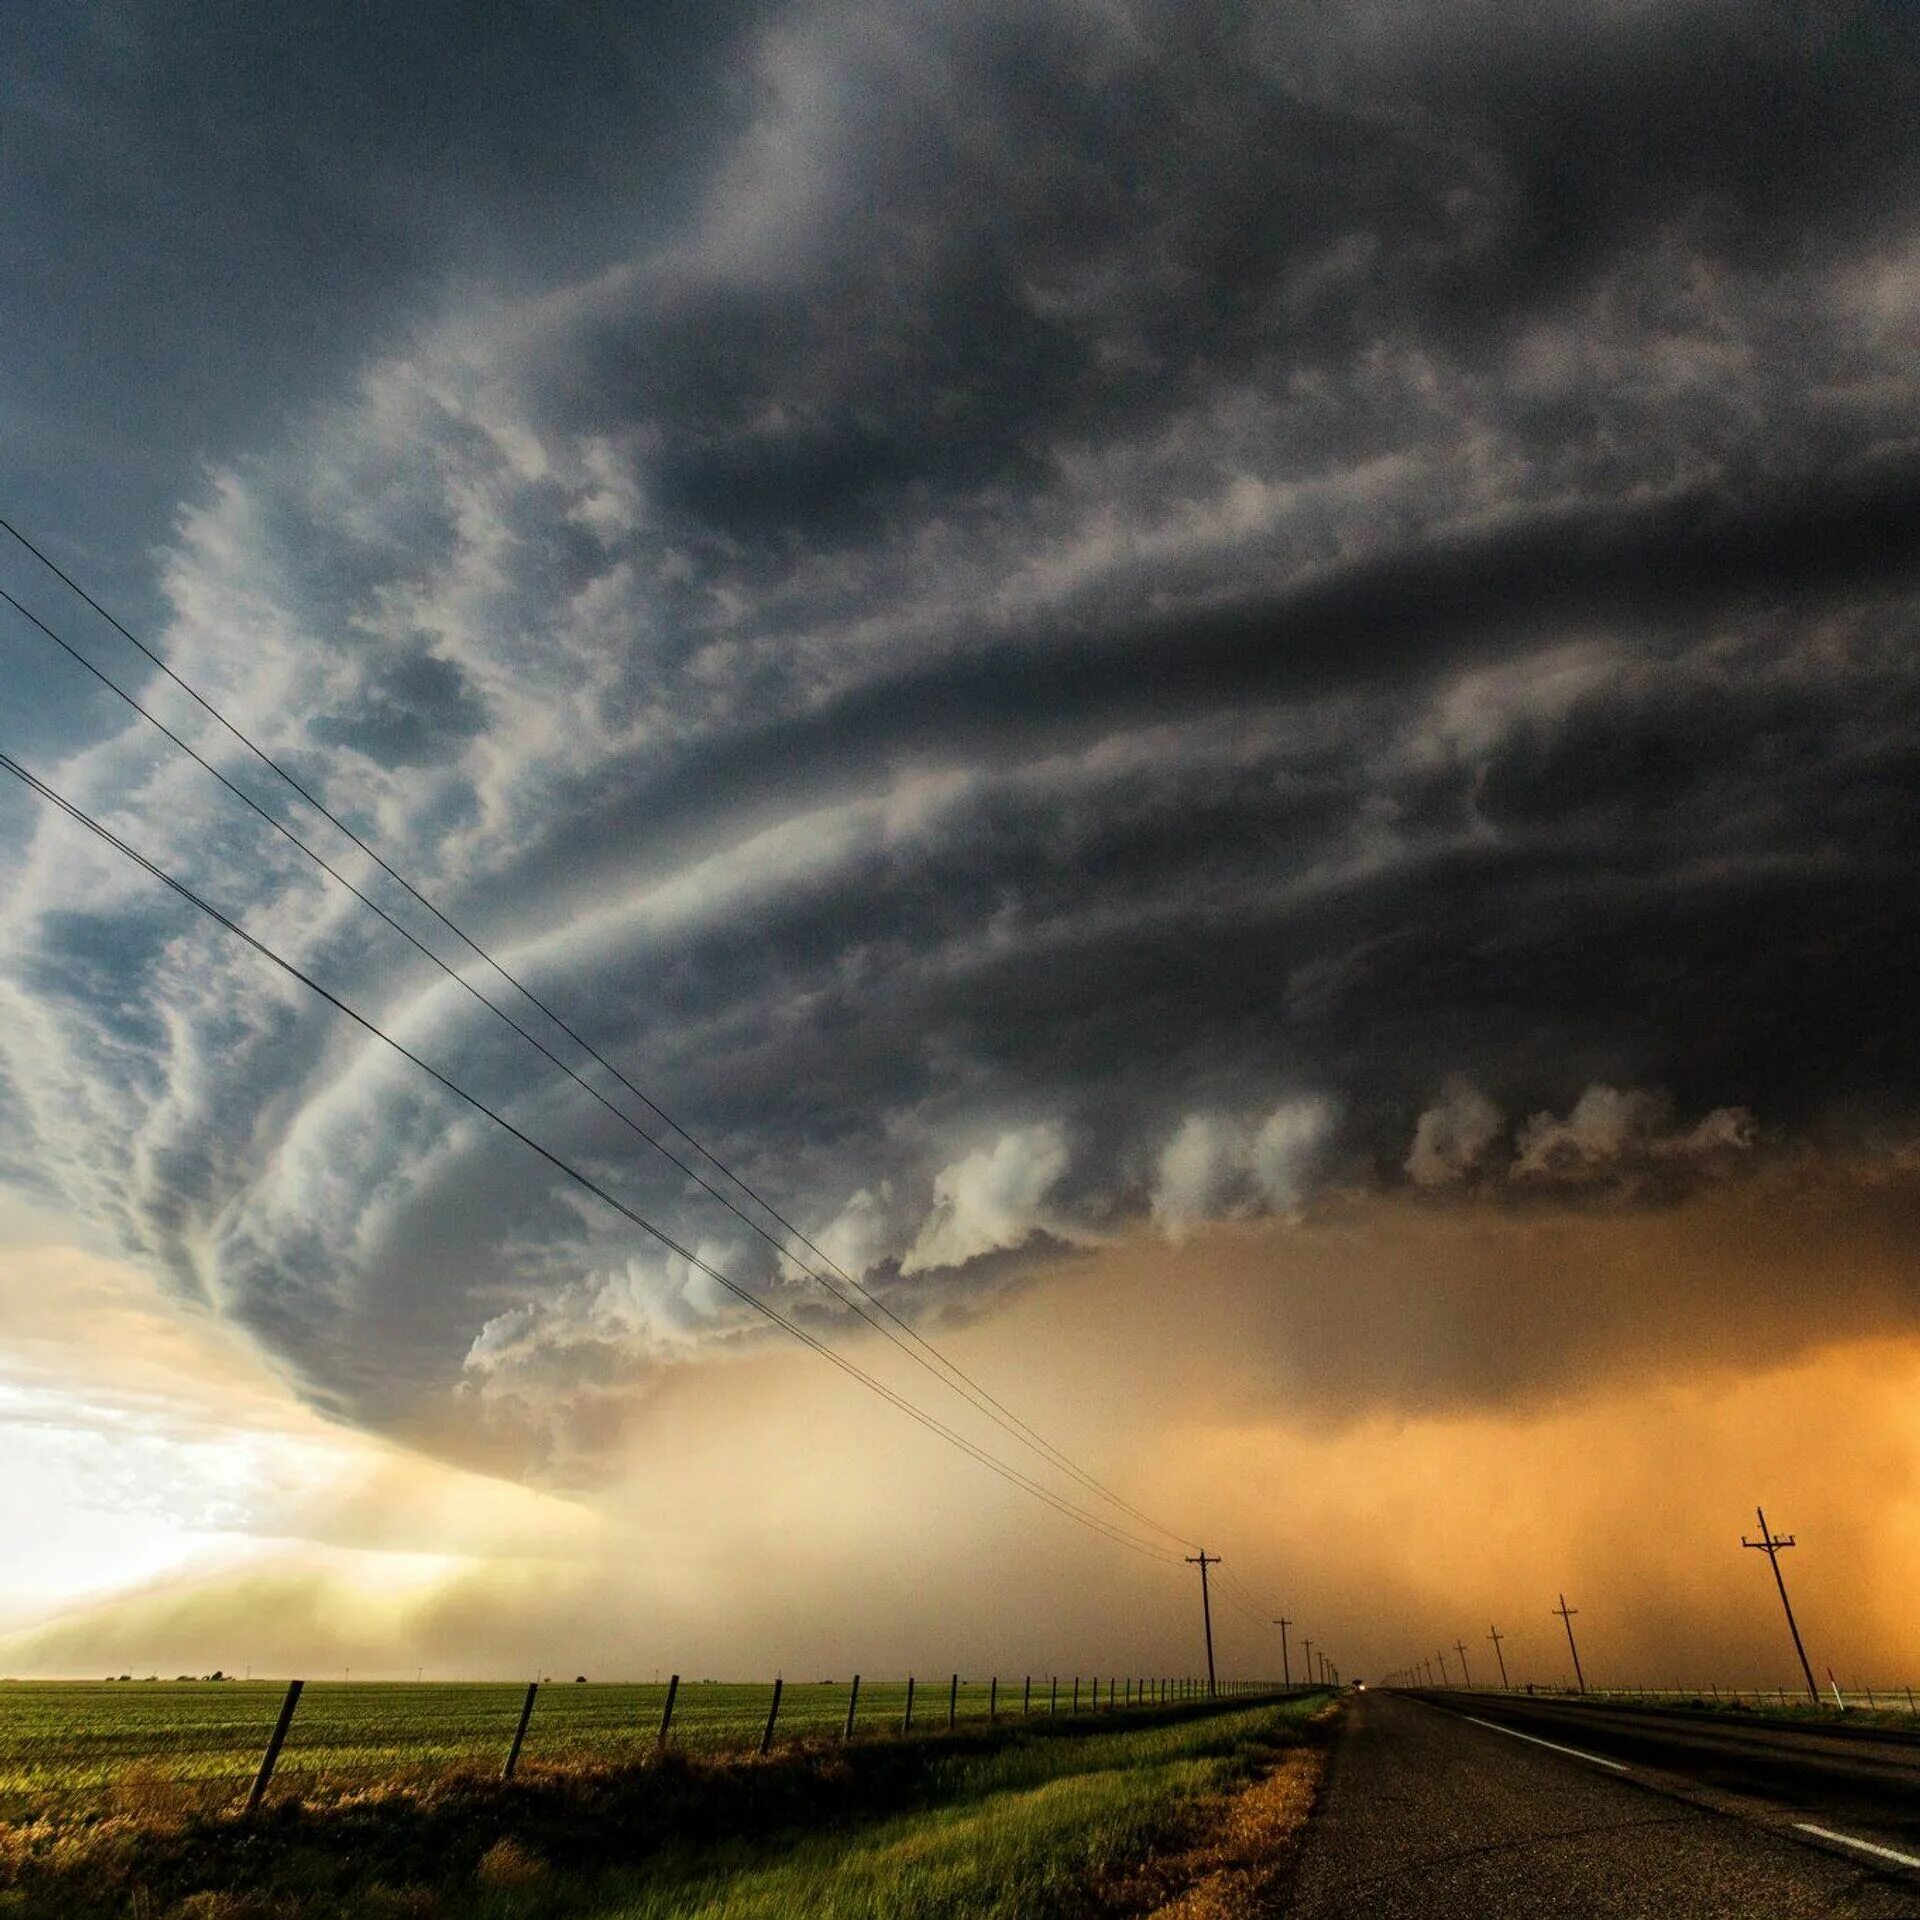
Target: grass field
(1041, 1829)
(69, 1750)
(1039, 1818)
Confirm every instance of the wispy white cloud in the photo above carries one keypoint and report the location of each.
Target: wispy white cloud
(990, 1199)
(1217, 1166)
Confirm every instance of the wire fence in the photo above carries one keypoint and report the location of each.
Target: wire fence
(68, 1748)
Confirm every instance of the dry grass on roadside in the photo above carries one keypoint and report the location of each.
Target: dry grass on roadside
(1236, 1865)
(1238, 1849)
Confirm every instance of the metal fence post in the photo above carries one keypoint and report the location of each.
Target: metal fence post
(953, 1703)
(666, 1712)
(520, 1732)
(276, 1740)
(906, 1721)
(773, 1713)
(853, 1700)
(993, 1699)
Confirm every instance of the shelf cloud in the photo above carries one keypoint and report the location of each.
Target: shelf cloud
(1099, 621)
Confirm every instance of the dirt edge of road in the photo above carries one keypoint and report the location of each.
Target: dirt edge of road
(1242, 1854)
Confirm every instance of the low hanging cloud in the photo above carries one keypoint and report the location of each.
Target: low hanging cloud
(1450, 1137)
(990, 1200)
(1216, 1167)
(1611, 1135)
(1608, 1130)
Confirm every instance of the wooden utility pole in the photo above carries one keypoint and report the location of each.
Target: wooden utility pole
(1770, 1544)
(1566, 1614)
(1286, 1669)
(1496, 1636)
(1308, 1645)
(1466, 1679)
(1203, 1560)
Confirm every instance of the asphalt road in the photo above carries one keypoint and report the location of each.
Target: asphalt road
(1430, 1814)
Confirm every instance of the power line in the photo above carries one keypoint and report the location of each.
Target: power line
(1013, 1475)
(951, 1374)
(1237, 1594)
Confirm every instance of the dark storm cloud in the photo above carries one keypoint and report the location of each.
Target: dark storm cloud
(1125, 615)
(213, 212)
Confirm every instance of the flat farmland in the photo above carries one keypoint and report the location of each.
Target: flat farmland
(76, 1749)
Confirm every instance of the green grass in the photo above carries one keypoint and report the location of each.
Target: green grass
(69, 1750)
(1031, 1831)
(1018, 1818)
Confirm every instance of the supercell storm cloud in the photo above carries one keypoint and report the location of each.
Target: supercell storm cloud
(1099, 616)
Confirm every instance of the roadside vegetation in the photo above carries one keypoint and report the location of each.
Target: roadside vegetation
(1065, 1818)
(1886, 1709)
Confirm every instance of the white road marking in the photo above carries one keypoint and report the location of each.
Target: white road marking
(1556, 1747)
(1865, 1846)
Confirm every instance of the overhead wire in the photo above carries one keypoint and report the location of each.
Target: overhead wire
(72, 809)
(929, 1356)
(692, 1173)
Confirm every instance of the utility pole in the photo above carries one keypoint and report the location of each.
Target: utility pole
(1496, 1636)
(1308, 1644)
(1441, 1656)
(1203, 1560)
(1770, 1544)
(1466, 1679)
(1566, 1614)
(1286, 1669)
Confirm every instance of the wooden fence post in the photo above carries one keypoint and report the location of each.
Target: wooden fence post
(666, 1712)
(1053, 1696)
(1076, 1693)
(993, 1699)
(1026, 1698)
(276, 1740)
(906, 1722)
(773, 1713)
(953, 1703)
(853, 1700)
(520, 1732)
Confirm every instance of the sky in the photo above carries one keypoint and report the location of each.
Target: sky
(1228, 694)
